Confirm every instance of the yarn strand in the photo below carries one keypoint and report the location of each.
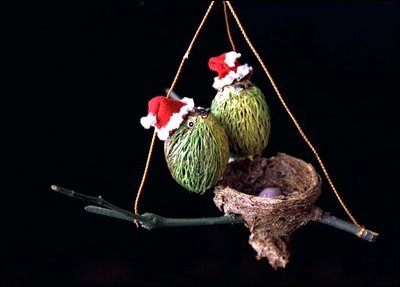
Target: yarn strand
(228, 29)
(296, 123)
(151, 148)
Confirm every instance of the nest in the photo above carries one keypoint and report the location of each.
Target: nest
(270, 220)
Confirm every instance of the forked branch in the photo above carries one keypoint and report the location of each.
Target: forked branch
(151, 220)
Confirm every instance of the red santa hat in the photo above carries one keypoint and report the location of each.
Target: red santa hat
(166, 115)
(228, 68)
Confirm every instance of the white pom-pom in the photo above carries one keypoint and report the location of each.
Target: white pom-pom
(189, 104)
(231, 57)
(148, 121)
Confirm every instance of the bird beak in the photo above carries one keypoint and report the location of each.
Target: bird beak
(203, 112)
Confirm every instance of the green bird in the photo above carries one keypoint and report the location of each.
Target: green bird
(240, 106)
(196, 146)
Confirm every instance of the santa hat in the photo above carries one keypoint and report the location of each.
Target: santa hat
(166, 115)
(228, 69)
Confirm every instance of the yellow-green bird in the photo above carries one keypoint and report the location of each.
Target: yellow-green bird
(240, 106)
(196, 146)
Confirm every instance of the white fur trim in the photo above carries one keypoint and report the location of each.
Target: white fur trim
(175, 120)
(241, 72)
(231, 57)
(148, 121)
(162, 134)
(228, 79)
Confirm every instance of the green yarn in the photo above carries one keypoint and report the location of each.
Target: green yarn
(243, 112)
(197, 152)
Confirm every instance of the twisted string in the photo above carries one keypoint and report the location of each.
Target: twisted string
(296, 123)
(228, 30)
(151, 148)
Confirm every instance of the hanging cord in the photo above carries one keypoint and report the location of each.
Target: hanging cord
(228, 30)
(150, 153)
(360, 227)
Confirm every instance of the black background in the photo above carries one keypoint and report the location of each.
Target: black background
(75, 80)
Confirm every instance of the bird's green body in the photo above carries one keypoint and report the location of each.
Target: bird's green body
(243, 112)
(197, 152)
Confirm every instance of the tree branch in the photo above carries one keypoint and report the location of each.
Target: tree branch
(146, 220)
(341, 224)
(151, 220)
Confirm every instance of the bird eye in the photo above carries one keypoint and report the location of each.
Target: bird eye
(190, 123)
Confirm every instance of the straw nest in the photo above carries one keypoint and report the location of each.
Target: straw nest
(270, 220)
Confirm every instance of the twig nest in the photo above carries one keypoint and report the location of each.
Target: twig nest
(250, 189)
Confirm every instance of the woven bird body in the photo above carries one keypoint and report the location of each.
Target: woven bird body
(243, 112)
(197, 152)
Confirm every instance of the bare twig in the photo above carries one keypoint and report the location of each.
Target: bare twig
(333, 221)
(109, 212)
(92, 199)
(151, 220)
(146, 220)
